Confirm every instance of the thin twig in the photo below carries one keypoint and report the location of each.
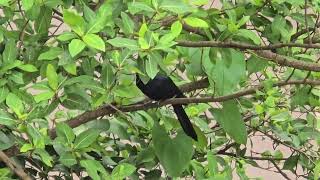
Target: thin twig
(306, 19)
(280, 170)
(254, 157)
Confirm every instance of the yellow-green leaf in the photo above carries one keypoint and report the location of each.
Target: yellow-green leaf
(76, 46)
(52, 77)
(196, 22)
(94, 41)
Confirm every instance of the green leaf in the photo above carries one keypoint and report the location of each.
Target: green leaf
(230, 120)
(79, 79)
(228, 71)
(26, 147)
(249, 35)
(256, 64)
(93, 167)
(16, 77)
(128, 23)
(28, 67)
(200, 2)
(124, 43)
(75, 21)
(316, 171)
(53, 3)
(142, 41)
(177, 6)
(194, 57)
(1, 37)
(14, 103)
(152, 68)
(45, 157)
(75, 101)
(105, 10)
(33, 13)
(71, 68)
(107, 75)
(167, 39)
(196, 22)
(10, 52)
(51, 54)
(145, 155)
(89, 14)
(10, 65)
(136, 7)
(86, 138)
(27, 4)
(4, 91)
(44, 96)
(299, 97)
(143, 29)
(36, 136)
(243, 21)
(174, 154)
(94, 41)
(176, 28)
(43, 21)
(5, 172)
(103, 16)
(68, 159)
(6, 141)
(122, 171)
(93, 87)
(6, 119)
(52, 77)
(128, 91)
(65, 132)
(66, 36)
(212, 164)
(76, 46)
(4, 3)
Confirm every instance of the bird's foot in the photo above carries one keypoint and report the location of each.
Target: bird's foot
(158, 103)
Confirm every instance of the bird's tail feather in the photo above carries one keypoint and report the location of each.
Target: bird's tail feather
(184, 121)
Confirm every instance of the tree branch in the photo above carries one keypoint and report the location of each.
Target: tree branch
(280, 170)
(57, 12)
(284, 61)
(254, 157)
(260, 50)
(13, 166)
(233, 44)
(283, 143)
(303, 31)
(107, 110)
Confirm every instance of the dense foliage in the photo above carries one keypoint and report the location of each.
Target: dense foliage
(69, 106)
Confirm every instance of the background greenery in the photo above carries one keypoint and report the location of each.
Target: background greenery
(69, 106)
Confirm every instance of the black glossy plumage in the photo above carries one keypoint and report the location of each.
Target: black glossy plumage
(161, 88)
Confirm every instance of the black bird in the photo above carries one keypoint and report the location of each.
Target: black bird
(161, 88)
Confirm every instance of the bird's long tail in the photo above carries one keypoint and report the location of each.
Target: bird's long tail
(184, 121)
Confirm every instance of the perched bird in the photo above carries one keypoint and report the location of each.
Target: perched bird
(161, 88)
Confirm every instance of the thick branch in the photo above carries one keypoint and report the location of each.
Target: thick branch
(13, 166)
(260, 50)
(107, 110)
(284, 61)
(233, 44)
